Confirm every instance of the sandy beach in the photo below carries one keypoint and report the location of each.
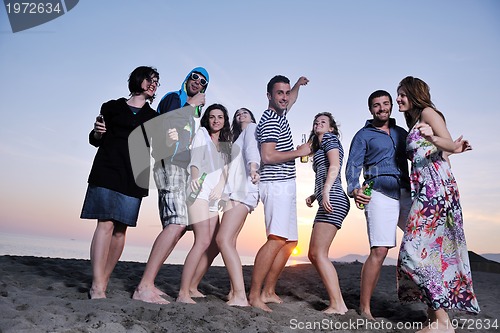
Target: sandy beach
(51, 295)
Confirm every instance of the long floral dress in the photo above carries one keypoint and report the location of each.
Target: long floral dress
(433, 264)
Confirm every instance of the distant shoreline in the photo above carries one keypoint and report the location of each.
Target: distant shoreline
(54, 247)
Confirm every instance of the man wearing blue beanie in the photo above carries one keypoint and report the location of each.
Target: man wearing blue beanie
(177, 110)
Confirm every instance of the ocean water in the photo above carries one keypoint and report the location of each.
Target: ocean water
(39, 246)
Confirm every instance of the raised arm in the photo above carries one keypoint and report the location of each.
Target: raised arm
(294, 93)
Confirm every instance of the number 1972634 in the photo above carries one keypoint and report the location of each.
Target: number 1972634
(33, 8)
(474, 324)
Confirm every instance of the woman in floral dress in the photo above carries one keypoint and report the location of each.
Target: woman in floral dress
(433, 264)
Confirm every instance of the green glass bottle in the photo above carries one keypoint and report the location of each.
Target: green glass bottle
(193, 195)
(304, 159)
(367, 191)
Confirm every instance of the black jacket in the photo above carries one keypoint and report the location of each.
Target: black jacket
(112, 168)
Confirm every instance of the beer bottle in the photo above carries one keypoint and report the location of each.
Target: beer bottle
(367, 191)
(193, 195)
(304, 159)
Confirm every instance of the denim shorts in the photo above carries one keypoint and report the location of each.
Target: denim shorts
(108, 205)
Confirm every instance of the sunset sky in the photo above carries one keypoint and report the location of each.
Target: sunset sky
(55, 77)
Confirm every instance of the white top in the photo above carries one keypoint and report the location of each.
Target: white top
(206, 157)
(245, 150)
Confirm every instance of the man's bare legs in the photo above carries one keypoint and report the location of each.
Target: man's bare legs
(321, 238)
(164, 244)
(369, 278)
(269, 291)
(231, 225)
(105, 251)
(264, 260)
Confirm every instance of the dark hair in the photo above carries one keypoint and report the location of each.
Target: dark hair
(236, 127)
(313, 138)
(419, 96)
(276, 79)
(225, 133)
(137, 77)
(376, 94)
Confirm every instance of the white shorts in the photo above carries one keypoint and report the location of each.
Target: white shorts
(250, 201)
(280, 208)
(209, 184)
(213, 205)
(383, 215)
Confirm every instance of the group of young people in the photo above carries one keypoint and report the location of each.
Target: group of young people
(249, 161)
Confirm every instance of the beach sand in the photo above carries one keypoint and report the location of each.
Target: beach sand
(51, 295)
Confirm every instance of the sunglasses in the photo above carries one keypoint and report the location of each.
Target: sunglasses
(195, 76)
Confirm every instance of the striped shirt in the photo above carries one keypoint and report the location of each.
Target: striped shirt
(275, 128)
(337, 197)
(321, 164)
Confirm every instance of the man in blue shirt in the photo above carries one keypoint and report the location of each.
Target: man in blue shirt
(379, 149)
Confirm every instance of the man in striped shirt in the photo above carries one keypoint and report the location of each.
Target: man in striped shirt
(277, 190)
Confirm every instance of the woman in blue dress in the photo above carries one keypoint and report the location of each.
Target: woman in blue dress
(333, 204)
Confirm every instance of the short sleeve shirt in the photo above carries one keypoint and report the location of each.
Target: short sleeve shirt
(275, 128)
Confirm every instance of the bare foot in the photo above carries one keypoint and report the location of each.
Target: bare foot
(159, 292)
(149, 296)
(438, 327)
(261, 305)
(238, 301)
(196, 294)
(367, 315)
(96, 294)
(333, 310)
(185, 299)
(270, 298)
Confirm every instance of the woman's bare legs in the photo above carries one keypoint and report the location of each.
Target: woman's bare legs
(231, 225)
(105, 251)
(207, 258)
(199, 214)
(321, 238)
